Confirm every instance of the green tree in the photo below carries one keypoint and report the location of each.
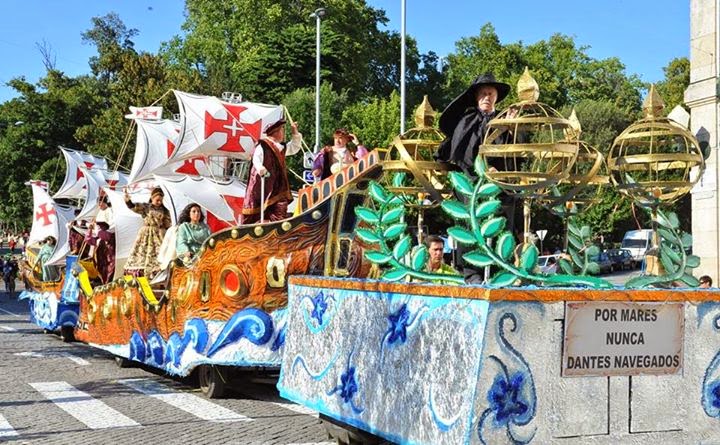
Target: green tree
(677, 78)
(32, 126)
(565, 72)
(234, 44)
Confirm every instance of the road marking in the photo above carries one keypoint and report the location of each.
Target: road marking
(93, 413)
(8, 328)
(11, 313)
(297, 408)
(190, 403)
(75, 359)
(6, 430)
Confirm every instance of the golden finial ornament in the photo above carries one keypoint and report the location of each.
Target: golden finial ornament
(528, 89)
(653, 104)
(424, 114)
(412, 153)
(575, 123)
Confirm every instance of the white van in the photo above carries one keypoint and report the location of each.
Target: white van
(637, 242)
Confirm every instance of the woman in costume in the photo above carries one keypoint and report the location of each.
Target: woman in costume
(191, 233)
(332, 159)
(104, 243)
(49, 273)
(143, 257)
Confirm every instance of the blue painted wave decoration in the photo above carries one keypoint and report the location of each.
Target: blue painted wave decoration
(710, 398)
(48, 312)
(203, 341)
(511, 398)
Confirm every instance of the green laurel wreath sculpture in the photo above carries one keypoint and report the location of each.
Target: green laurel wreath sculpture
(486, 225)
(385, 226)
(677, 264)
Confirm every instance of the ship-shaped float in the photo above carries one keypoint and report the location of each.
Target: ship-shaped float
(228, 307)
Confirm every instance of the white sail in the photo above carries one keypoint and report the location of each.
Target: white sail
(95, 180)
(127, 226)
(211, 127)
(116, 179)
(154, 146)
(221, 200)
(50, 219)
(74, 184)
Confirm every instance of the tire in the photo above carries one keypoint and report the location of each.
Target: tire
(212, 381)
(122, 362)
(67, 334)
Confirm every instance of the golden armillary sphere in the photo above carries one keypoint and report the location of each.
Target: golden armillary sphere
(526, 147)
(585, 180)
(650, 161)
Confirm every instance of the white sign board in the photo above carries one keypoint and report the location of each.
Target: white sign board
(620, 339)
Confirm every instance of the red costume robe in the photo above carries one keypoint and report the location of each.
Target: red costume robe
(277, 187)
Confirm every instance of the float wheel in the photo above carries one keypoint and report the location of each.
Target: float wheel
(67, 334)
(212, 381)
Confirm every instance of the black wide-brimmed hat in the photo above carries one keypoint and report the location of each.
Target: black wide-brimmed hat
(453, 112)
(275, 125)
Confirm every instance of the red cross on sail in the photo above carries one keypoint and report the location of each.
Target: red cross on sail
(212, 127)
(233, 128)
(44, 213)
(49, 219)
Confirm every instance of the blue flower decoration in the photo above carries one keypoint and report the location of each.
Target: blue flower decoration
(319, 307)
(399, 322)
(348, 387)
(714, 394)
(504, 399)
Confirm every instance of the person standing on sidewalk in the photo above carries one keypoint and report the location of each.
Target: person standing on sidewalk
(9, 273)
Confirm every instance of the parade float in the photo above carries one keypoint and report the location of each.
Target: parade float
(525, 357)
(226, 308)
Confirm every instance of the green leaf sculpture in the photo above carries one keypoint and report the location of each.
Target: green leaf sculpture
(385, 229)
(676, 263)
(487, 228)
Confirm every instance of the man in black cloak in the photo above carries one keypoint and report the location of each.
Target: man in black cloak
(464, 123)
(465, 120)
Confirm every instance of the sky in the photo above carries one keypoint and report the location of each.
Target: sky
(644, 34)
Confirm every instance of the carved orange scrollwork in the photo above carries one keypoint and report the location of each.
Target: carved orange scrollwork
(205, 286)
(232, 282)
(126, 301)
(108, 306)
(92, 308)
(275, 272)
(186, 288)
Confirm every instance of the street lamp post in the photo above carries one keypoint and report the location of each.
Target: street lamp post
(402, 66)
(317, 15)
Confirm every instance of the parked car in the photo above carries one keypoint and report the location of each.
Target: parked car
(546, 265)
(621, 259)
(603, 260)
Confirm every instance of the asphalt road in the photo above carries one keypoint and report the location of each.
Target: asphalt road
(70, 393)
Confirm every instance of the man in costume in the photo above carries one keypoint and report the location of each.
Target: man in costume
(332, 159)
(464, 123)
(268, 162)
(465, 120)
